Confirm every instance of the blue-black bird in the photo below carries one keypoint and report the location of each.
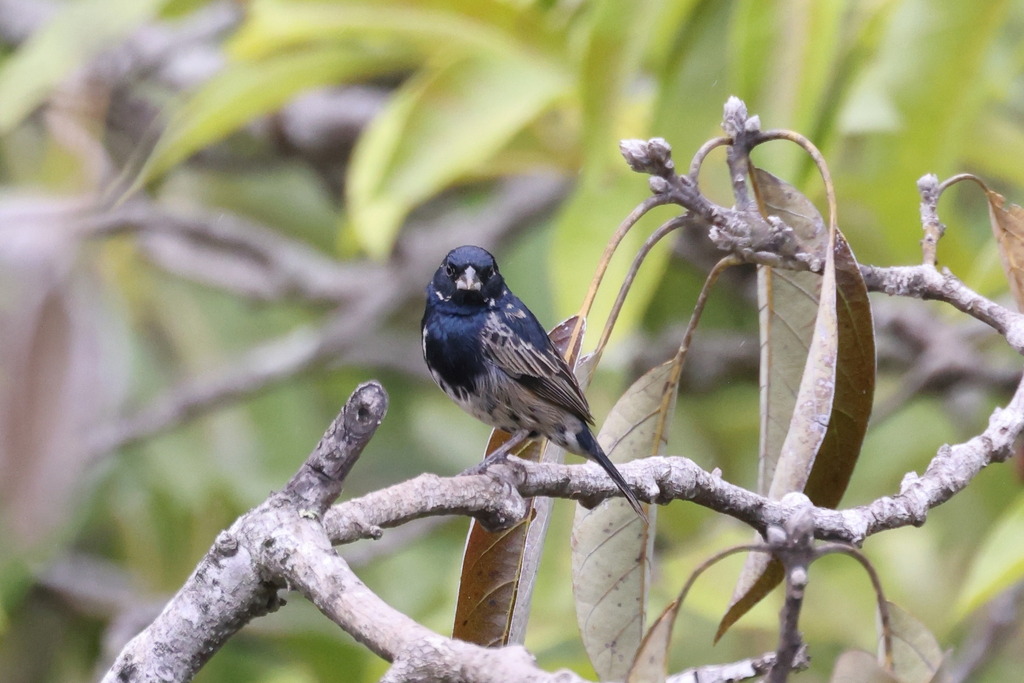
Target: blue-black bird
(487, 351)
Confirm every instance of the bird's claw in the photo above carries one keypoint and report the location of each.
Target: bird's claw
(485, 464)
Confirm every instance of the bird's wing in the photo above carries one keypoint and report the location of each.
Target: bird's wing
(515, 342)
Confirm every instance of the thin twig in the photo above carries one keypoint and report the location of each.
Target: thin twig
(602, 266)
(928, 188)
(666, 228)
(876, 584)
(698, 157)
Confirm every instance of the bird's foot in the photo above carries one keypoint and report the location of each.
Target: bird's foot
(500, 455)
(496, 458)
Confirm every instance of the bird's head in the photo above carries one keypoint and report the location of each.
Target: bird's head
(470, 275)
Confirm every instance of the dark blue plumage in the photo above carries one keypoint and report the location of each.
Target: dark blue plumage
(489, 353)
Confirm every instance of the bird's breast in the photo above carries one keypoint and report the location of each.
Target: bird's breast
(452, 349)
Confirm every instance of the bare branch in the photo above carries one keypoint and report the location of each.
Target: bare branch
(743, 132)
(282, 544)
(256, 369)
(926, 282)
(793, 546)
(230, 252)
(736, 671)
(372, 293)
(497, 497)
(234, 583)
(928, 188)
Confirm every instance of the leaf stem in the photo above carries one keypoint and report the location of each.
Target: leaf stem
(627, 224)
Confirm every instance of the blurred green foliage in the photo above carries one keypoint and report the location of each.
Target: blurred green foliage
(888, 89)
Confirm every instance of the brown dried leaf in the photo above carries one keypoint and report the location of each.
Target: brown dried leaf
(52, 380)
(857, 666)
(788, 304)
(855, 384)
(1008, 228)
(499, 568)
(651, 661)
(820, 464)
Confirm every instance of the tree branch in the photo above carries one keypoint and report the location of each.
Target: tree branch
(370, 294)
(282, 543)
(497, 497)
(927, 282)
(234, 582)
(230, 252)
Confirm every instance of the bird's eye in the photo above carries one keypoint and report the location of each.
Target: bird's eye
(486, 272)
(449, 270)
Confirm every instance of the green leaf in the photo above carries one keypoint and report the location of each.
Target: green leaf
(79, 31)
(428, 26)
(440, 127)
(928, 99)
(998, 562)
(245, 90)
(809, 45)
(917, 655)
(616, 34)
(857, 666)
(611, 546)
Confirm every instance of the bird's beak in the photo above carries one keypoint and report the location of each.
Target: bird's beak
(468, 280)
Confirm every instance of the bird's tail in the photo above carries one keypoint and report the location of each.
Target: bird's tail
(596, 453)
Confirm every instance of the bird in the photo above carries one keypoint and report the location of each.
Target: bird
(488, 352)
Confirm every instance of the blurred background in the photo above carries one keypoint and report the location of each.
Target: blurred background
(216, 218)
